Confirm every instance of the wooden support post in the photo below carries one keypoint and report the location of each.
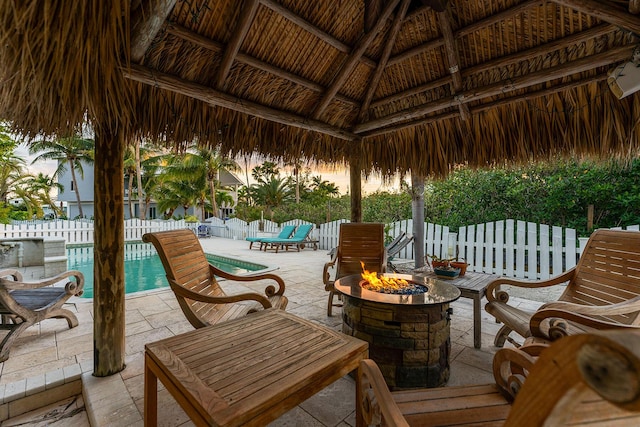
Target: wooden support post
(417, 209)
(590, 211)
(355, 175)
(108, 270)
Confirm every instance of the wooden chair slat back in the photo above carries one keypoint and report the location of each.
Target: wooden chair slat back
(360, 242)
(608, 272)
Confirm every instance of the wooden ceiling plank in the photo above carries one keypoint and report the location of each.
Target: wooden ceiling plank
(306, 25)
(606, 11)
(490, 20)
(146, 21)
(244, 23)
(202, 41)
(386, 53)
(352, 60)
(217, 98)
(453, 59)
(585, 64)
(514, 58)
(484, 107)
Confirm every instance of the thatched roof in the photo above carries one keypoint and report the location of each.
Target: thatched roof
(400, 84)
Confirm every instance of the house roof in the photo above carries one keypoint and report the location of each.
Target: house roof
(397, 84)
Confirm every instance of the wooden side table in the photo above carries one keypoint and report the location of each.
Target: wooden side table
(472, 285)
(247, 371)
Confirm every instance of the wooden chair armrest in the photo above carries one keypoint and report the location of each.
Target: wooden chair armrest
(557, 322)
(495, 294)
(326, 277)
(610, 365)
(72, 287)
(10, 272)
(269, 290)
(512, 365)
(375, 399)
(249, 296)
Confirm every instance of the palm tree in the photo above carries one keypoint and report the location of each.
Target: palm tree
(273, 193)
(39, 188)
(130, 170)
(11, 173)
(71, 150)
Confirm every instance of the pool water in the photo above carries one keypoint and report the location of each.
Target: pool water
(143, 269)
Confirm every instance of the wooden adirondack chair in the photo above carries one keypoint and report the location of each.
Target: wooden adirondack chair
(602, 292)
(23, 304)
(580, 380)
(357, 242)
(193, 280)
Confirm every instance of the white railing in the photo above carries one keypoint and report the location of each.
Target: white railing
(505, 248)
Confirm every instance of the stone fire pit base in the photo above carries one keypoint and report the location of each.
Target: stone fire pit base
(411, 344)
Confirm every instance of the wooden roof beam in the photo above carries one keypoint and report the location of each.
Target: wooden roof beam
(606, 11)
(488, 106)
(146, 21)
(306, 25)
(352, 60)
(634, 6)
(386, 53)
(217, 98)
(585, 64)
(489, 20)
(202, 41)
(241, 30)
(514, 58)
(453, 59)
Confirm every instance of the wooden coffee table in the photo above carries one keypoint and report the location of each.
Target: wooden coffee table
(247, 371)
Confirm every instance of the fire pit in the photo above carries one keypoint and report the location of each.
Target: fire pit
(406, 325)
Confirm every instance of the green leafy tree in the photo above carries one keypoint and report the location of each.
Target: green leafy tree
(71, 152)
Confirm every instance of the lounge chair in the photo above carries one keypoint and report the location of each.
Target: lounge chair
(602, 292)
(581, 380)
(357, 242)
(23, 304)
(298, 240)
(394, 248)
(193, 280)
(285, 233)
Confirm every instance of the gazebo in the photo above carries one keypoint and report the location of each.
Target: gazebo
(388, 86)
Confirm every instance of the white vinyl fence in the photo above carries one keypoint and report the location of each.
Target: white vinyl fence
(506, 248)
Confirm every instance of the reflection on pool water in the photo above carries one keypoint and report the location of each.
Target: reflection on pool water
(143, 269)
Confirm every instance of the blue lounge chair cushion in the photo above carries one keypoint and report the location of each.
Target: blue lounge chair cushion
(284, 233)
(299, 236)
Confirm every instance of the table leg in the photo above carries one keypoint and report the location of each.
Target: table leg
(477, 320)
(359, 417)
(150, 394)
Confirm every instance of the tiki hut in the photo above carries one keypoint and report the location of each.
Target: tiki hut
(391, 86)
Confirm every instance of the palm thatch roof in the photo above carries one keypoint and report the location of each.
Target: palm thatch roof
(398, 84)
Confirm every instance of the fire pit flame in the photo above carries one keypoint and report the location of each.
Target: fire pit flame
(389, 285)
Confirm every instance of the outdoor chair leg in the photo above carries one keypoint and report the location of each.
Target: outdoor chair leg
(501, 336)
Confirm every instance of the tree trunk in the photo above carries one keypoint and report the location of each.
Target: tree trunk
(355, 176)
(75, 188)
(214, 204)
(417, 208)
(141, 202)
(129, 198)
(108, 270)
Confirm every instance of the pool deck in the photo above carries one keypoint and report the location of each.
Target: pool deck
(51, 363)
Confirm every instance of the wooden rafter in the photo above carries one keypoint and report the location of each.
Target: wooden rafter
(484, 107)
(202, 41)
(606, 11)
(585, 64)
(352, 60)
(505, 61)
(489, 20)
(386, 53)
(241, 30)
(146, 21)
(453, 59)
(220, 99)
(307, 26)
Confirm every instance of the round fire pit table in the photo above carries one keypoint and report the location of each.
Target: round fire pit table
(408, 335)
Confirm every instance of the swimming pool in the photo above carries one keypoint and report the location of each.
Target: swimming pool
(143, 269)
